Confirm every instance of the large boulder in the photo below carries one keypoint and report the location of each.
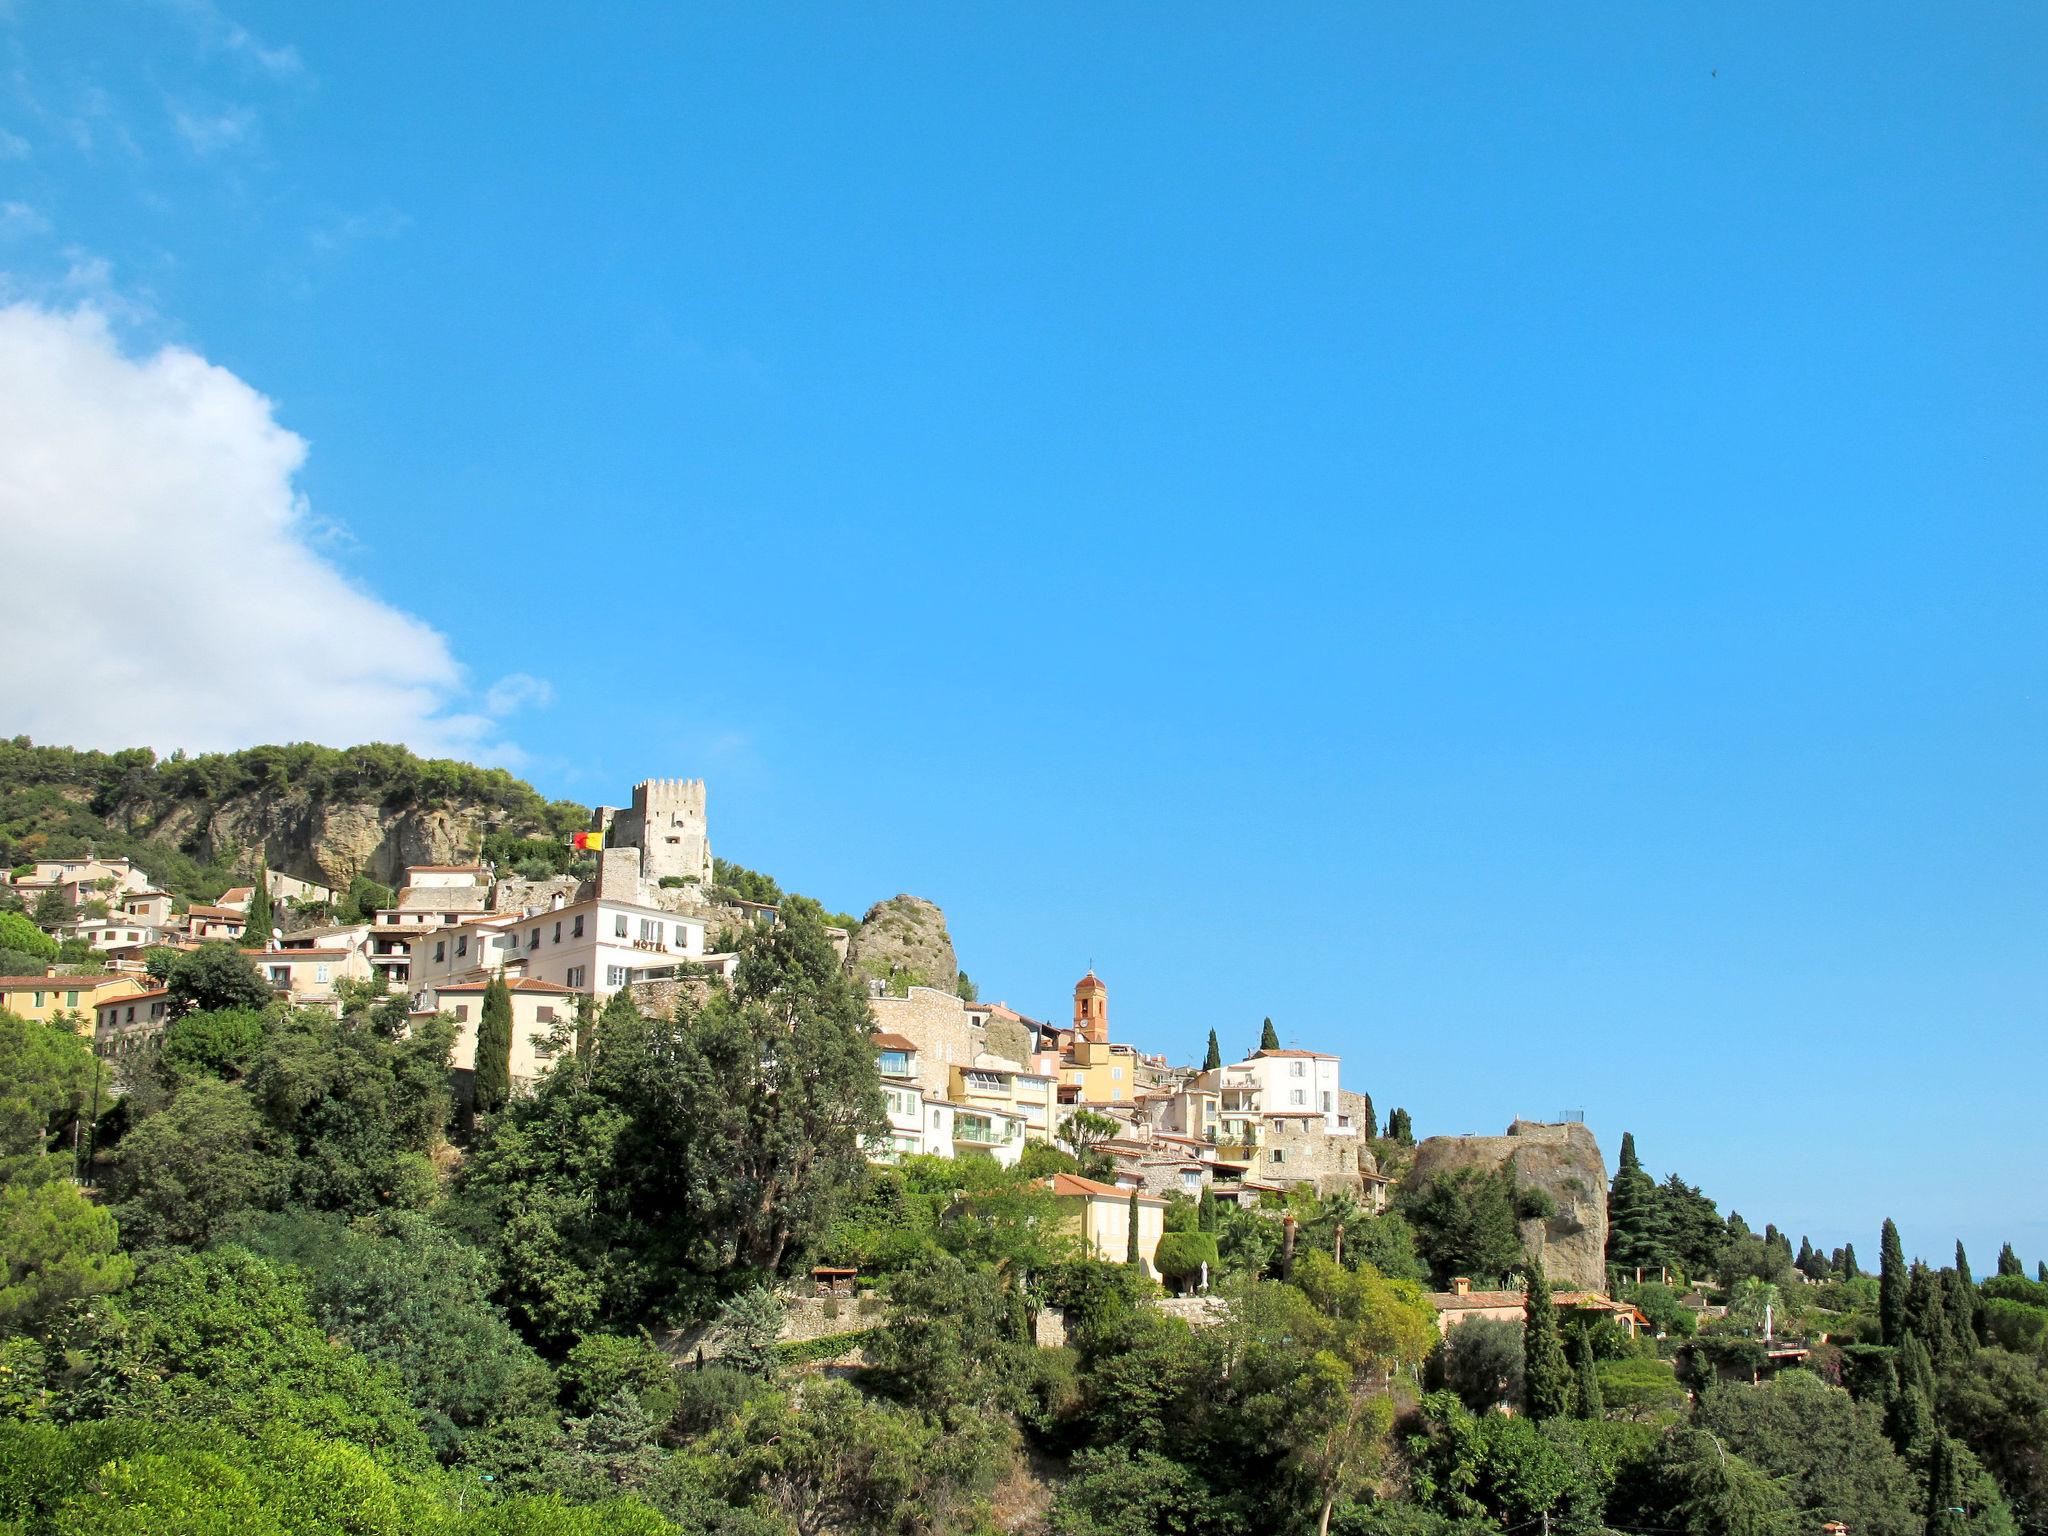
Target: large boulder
(1561, 1160)
(903, 942)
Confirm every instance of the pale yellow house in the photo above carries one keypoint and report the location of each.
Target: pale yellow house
(46, 997)
(1101, 1217)
(539, 1010)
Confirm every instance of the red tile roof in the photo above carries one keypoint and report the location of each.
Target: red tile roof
(513, 984)
(888, 1042)
(1074, 1184)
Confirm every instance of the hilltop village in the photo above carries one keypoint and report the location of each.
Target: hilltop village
(579, 1181)
(959, 1075)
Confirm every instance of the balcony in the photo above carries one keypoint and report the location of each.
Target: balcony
(976, 1133)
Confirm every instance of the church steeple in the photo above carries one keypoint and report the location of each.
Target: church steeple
(1091, 1009)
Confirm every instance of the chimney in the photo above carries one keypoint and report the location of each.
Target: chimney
(1461, 1284)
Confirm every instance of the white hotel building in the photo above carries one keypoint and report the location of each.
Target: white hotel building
(597, 946)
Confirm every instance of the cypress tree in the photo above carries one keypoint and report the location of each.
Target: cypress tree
(2009, 1262)
(1587, 1378)
(493, 1073)
(1205, 1210)
(1269, 1040)
(586, 1026)
(1368, 1120)
(1546, 1379)
(2041, 1271)
(1916, 1367)
(1849, 1269)
(256, 925)
(1962, 1299)
(1945, 1514)
(1215, 1057)
(1891, 1284)
(1908, 1419)
(1400, 1128)
(1131, 1253)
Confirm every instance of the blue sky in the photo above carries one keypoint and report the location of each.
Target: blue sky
(1509, 539)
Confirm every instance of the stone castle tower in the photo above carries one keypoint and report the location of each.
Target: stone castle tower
(1091, 1009)
(668, 824)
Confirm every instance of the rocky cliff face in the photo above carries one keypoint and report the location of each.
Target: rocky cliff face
(903, 941)
(328, 841)
(1561, 1160)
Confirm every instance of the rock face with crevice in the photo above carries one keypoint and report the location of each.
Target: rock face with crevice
(1564, 1162)
(903, 942)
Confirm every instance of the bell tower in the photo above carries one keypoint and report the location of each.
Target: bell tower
(1091, 1009)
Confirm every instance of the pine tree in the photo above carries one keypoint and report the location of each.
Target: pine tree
(1546, 1379)
(1891, 1284)
(1132, 1255)
(258, 922)
(1269, 1037)
(1214, 1059)
(1400, 1128)
(493, 1073)
(1638, 1224)
(1945, 1513)
(2009, 1262)
(1587, 1378)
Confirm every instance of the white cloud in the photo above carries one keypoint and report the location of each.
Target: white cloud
(20, 219)
(207, 132)
(217, 29)
(516, 691)
(162, 590)
(339, 233)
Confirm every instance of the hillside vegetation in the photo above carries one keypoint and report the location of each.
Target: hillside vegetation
(197, 824)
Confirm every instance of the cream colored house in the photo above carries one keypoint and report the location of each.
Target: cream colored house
(309, 976)
(119, 1021)
(206, 923)
(1100, 1214)
(539, 1010)
(119, 933)
(152, 907)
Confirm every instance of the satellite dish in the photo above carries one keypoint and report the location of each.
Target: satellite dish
(277, 933)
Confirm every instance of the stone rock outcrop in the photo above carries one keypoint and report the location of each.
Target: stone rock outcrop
(1561, 1160)
(903, 942)
(331, 841)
